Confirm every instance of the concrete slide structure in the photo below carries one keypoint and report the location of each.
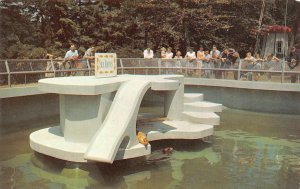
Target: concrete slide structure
(98, 117)
(119, 124)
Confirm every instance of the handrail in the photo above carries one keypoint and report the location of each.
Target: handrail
(55, 67)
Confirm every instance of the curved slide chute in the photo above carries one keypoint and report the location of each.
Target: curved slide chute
(119, 123)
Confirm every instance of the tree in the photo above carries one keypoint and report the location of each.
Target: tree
(129, 26)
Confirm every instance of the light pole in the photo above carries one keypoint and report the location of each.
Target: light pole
(79, 21)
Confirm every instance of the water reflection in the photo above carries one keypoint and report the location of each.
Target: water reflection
(236, 157)
(262, 159)
(33, 168)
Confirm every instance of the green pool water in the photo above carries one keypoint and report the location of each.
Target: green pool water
(248, 150)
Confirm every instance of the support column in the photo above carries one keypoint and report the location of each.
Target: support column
(82, 116)
(174, 102)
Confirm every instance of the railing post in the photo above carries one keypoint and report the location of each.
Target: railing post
(139, 66)
(239, 70)
(8, 71)
(122, 68)
(282, 71)
(52, 64)
(159, 65)
(186, 66)
(89, 67)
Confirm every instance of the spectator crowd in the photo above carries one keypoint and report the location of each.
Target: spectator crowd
(216, 63)
(205, 63)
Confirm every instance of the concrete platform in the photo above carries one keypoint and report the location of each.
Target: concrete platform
(98, 117)
(50, 141)
(55, 145)
(90, 85)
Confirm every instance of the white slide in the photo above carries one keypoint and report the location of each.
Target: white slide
(119, 123)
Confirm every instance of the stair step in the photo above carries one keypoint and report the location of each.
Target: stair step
(193, 97)
(171, 129)
(202, 117)
(203, 106)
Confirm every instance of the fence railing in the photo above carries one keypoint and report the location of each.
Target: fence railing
(16, 72)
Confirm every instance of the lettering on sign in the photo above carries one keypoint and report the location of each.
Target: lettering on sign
(105, 64)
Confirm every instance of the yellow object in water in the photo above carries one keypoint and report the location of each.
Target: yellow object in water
(142, 138)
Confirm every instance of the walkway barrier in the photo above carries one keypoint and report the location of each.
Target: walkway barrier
(16, 72)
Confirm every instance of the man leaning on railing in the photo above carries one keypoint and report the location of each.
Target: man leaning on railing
(148, 53)
(191, 57)
(71, 58)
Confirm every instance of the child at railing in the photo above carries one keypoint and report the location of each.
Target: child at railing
(49, 65)
(270, 64)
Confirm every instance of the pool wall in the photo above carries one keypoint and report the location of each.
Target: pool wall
(248, 95)
(20, 106)
(36, 109)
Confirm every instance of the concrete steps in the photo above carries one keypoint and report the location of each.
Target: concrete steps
(203, 106)
(192, 97)
(175, 130)
(209, 118)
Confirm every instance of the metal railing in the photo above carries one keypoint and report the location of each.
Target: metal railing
(16, 72)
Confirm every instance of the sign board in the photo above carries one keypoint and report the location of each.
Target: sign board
(105, 64)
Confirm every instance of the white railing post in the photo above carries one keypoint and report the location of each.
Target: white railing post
(159, 66)
(54, 71)
(239, 70)
(8, 73)
(282, 71)
(121, 63)
(89, 66)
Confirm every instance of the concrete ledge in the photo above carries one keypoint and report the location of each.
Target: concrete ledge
(33, 90)
(20, 91)
(270, 86)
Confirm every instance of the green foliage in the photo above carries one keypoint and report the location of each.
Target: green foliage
(29, 28)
